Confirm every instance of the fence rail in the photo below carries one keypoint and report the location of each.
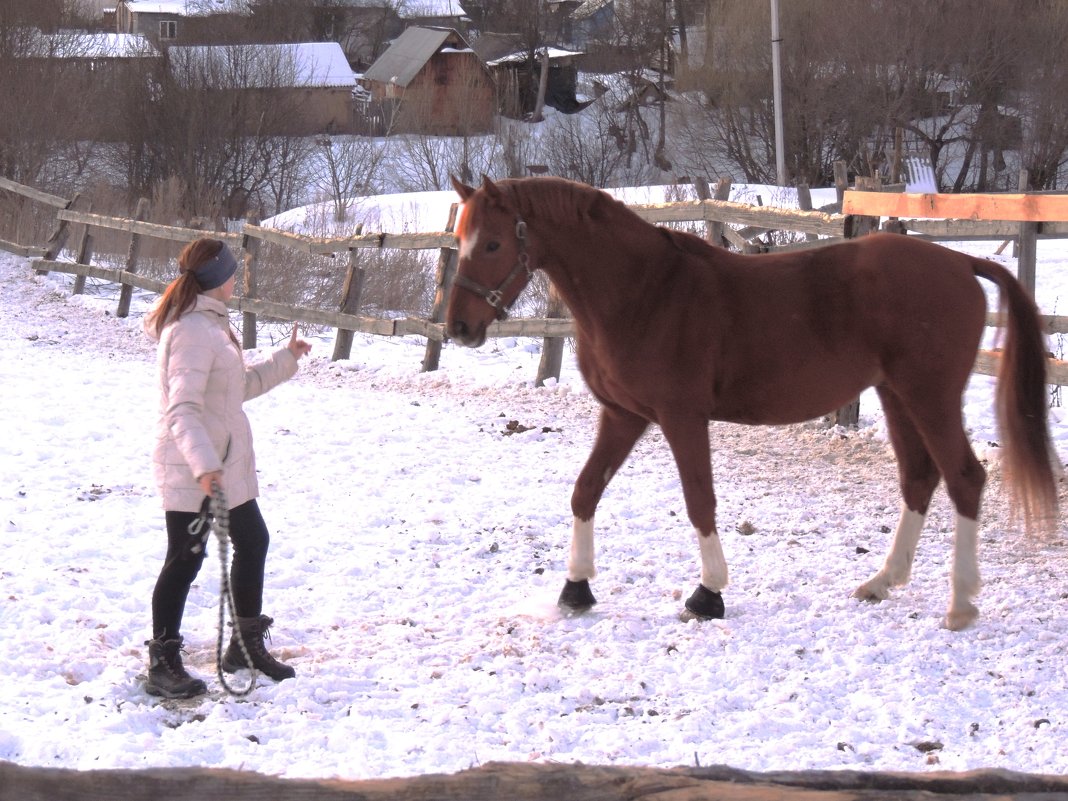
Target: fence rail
(717, 215)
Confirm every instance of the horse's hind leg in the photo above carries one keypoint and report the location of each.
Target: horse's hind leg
(688, 438)
(938, 420)
(618, 431)
(918, 476)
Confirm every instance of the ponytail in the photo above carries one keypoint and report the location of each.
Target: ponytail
(181, 293)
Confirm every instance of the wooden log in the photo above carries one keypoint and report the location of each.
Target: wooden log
(85, 256)
(132, 256)
(552, 348)
(351, 298)
(169, 233)
(25, 251)
(59, 235)
(34, 194)
(447, 260)
(1027, 245)
(251, 248)
(1021, 207)
(532, 782)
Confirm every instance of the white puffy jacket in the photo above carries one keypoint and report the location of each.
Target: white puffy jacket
(202, 426)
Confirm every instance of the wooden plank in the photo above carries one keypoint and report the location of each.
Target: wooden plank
(767, 217)
(323, 245)
(34, 194)
(26, 251)
(154, 230)
(987, 362)
(532, 781)
(1016, 207)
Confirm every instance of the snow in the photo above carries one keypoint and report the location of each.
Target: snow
(419, 541)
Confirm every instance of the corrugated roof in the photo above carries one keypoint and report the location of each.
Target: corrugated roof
(409, 53)
(321, 64)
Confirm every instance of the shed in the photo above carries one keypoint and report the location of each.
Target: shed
(517, 75)
(429, 80)
(312, 81)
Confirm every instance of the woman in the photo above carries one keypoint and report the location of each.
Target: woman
(203, 437)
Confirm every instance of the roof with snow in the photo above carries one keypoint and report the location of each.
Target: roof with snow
(189, 8)
(76, 44)
(310, 64)
(430, 8)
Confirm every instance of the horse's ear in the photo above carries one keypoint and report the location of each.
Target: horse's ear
(462, 189)
(490, 188)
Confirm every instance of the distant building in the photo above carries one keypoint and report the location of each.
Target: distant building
(430, 81)
(167, 22)
(311, 83)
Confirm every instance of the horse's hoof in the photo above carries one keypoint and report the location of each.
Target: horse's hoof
(576, 596)
(960, 617)
(705, 604)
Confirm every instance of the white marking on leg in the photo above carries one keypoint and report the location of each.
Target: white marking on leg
(897, 569)
(964, 581)
(580, 562)
(467, 245)
(713, 564)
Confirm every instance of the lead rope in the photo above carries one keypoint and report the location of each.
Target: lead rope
(216, 516)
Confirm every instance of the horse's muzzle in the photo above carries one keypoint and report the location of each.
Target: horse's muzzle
(469, 337)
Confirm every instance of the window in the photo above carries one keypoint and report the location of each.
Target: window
(168, 29)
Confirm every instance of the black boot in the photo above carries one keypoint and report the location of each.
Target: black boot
(254, 632)
(167, 676)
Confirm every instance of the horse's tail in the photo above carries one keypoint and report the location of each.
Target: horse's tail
(1022, 408)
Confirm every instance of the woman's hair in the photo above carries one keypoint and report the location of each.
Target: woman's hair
(181, 294)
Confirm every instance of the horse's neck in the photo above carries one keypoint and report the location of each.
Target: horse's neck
(598, 279)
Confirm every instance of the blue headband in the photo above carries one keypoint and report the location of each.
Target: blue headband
(217, 270)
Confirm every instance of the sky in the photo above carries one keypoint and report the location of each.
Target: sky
(420, 526)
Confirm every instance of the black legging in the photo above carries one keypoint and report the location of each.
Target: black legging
(250, 539)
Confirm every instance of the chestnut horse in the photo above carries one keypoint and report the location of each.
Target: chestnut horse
(673, 331)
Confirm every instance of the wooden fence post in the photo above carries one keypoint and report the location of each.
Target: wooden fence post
(85, 254)
(447, 258)
(855, 226)
(552, 348)
(1027, 250)
(251, 246)
(59, 236)
(351, 298)
(126, 293)
(714, 229)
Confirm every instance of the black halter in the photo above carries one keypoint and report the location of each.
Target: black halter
(495, 297)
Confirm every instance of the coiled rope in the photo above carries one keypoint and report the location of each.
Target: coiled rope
(215, 516)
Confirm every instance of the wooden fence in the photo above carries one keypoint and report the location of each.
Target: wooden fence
(517, 781)
(726, 223)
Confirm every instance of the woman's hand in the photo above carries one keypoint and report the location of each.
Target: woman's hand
(206, 480)
(298, 347)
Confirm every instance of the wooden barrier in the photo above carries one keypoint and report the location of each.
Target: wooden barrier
(523, 781)
(718, 215)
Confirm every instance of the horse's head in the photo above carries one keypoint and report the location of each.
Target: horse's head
(493, 265)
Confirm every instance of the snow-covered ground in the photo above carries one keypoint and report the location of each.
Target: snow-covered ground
(420, 526)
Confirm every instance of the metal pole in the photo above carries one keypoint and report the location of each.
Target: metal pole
(776, 77)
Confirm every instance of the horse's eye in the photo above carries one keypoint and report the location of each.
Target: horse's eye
(492, 246)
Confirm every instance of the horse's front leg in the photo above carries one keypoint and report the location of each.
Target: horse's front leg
(616, 435)
(688, 438)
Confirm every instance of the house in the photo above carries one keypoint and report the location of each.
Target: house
(517, 74)
(89, 74)
(283, 89)
(166, 22)
(430, 81)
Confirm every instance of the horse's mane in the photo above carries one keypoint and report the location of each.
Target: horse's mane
(562, 201)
